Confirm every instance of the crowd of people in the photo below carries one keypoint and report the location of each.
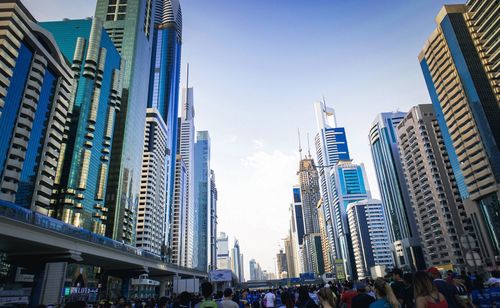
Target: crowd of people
(424, 289)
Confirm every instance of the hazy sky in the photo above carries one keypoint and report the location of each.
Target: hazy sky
(257, 67)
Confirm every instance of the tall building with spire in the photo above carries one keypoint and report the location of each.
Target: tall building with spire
(129, 25)
(403, 233)
(331, 147)
(459, 62)
(237, 261)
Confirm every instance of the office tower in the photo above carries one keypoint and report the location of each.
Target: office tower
(369, 235)
(129, 25)
(349, 184)
(164, 84)
(213, 222)
(256, 272)
(459, 66)
(185, 147)
(405, 243)
(440, 214)
(202, 196)
(236, 261)
(281, 264)
(290, 257)
(309, 193)
(325, 244)
(313, 254)
(331, 146)
(296, 228)
(94, 99)
(35, 82)
(181, 245)
(223, 257)
(152, 213)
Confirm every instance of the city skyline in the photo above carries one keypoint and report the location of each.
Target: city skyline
(248, 149)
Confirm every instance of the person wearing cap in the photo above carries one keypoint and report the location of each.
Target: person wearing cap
(227, 301)
(362, 300)
(398, 284)
(448, 290)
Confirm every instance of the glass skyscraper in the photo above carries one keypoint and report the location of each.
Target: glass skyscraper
(202, 198)
(459, 66)
(405, 243)
(130, 26)
(94, 99)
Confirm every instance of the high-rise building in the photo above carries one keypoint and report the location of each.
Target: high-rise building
(313, 254)
(369, 235)
(152, 213)
(237, 261)
(213, 222)
(281, 264)
(185, 148)
(296, 229)
(460, 69)
(182, 247)
(202, 197)
(310, 194)
(164, 83)
(223, 257)
(349, 184)
(325, 244)
(290, 257)
(34, 101)
(405, 243)
(331, 146)
(129, 25)
(255, 270)
(439, 211)
(95, 98)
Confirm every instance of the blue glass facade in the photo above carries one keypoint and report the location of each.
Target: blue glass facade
(86, 159)
(202, 198)
(164, 92)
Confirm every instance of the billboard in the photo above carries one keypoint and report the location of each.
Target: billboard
(339, 269)
(221, 275)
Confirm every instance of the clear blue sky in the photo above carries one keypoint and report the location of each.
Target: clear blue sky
(258, 66)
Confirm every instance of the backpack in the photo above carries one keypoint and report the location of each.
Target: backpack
(210, 303)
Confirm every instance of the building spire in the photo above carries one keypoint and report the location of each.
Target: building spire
(308, 147)
(187, 77)
(300, 146)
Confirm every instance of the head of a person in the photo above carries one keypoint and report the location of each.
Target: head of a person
(163, 302)
(434, 273)
(326, 296)
(303, 294)
(349, 285)
(206, 289)
(286, 299)
(228, 293)
(408, 279)
(184, 298)
(219, 294)
(423, 284)
(397, 274)
(360, 287)
(384, 290)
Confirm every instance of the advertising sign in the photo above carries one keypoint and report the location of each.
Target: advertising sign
(339, 269)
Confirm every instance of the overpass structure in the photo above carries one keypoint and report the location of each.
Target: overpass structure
(33, 240)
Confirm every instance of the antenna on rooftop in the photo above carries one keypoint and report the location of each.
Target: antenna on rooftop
(308, 147)
(300, 146)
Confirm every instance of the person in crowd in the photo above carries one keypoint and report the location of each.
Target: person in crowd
(385, 295)
(227, 301)
(326, 298)
(207, 301)
(362, 300)
(407, 294)
(269, 299)
(348, 294)
(304, 301)
(448, 290)
(426, 292)
(183, 301)
(313, 295)
(458, 281)
(398, 284)
(163, 302)
(286, 300)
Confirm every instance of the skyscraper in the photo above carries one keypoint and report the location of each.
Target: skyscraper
(369, 235)
(185, 148)
(440, 214)
(164, 83)
(213, 222)
(459, 67)
(349, 185)
(325, 244)
(95, 98)
(290, 257)
(202, 197)
(296, 229)
(34, 101)
(129, 26)
(255, 270)
(331, 146)
(152, 213)
(182, 247)
(223, 257)
(281, 264)
(309, 193)
(313, 254)
(405, 243)
(237, 261)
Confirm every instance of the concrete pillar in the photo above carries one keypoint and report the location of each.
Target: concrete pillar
(163, 287)
(125, 286)
(36, 290)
